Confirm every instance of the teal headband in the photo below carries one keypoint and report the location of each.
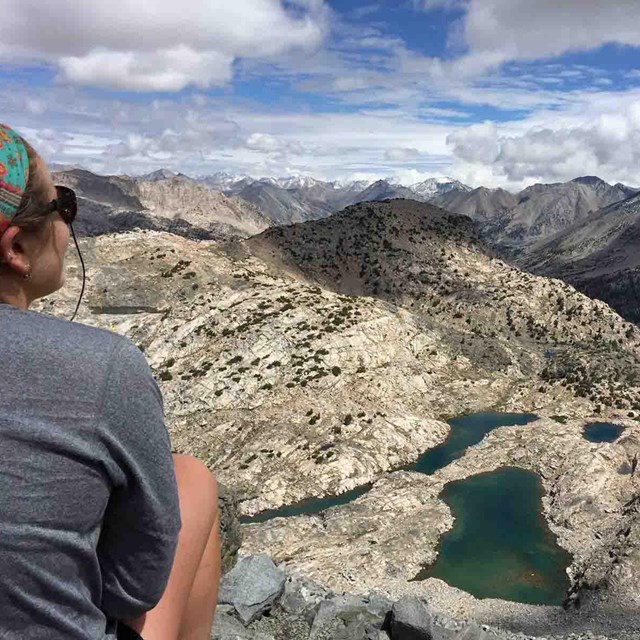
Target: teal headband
(14, 174)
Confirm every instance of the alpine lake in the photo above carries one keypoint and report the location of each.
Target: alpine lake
(500, 545)
(602, 432)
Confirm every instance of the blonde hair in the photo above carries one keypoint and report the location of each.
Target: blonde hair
(33, 211)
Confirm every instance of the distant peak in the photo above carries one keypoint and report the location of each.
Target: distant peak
(589, 180)
(160, 174)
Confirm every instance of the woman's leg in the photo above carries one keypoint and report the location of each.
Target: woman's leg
(186, 609)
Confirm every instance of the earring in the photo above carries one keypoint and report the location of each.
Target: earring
(28, 274)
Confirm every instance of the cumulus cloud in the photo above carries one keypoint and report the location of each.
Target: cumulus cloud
(156, 44)
(491, 33)
(166, 70)
(607, 145)
(477, 143)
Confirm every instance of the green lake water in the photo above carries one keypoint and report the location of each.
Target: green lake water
(500, 545)
(602, 431)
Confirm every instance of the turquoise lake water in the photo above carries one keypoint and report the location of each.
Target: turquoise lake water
(465, 432)
(500, 545)
(602, 432)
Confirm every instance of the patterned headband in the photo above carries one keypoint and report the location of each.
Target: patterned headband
(14, 174)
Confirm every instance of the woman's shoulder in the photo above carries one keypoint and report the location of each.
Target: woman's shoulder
(73, 338)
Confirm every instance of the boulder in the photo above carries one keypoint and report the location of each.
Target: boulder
(339, 613)
(302, 596)
(252, 587)
(410, 620)
(360, 630)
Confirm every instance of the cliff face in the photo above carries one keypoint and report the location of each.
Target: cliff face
(313, 359)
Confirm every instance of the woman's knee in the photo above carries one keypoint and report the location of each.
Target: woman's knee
(196, 481)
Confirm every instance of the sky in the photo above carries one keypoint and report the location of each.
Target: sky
(500, 93)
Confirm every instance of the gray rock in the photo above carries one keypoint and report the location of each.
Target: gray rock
(302, 596)
(226, 626)
(252, 587)
(281, 626)
(411, 620)
(339, 613)
(445, 628)
(473, 632)
(360, 630)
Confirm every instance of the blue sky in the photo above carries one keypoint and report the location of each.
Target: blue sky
(492, 92)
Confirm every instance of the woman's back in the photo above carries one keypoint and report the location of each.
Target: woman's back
(89, 512)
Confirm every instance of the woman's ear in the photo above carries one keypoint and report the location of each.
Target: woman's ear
(12, 251)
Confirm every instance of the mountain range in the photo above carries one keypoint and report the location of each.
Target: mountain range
(583, 231)
(166, 202)
(297, 199)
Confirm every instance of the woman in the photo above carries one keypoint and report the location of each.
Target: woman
(103, 533)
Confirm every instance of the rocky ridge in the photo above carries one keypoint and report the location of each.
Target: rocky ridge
(598, 256)
(513, 221)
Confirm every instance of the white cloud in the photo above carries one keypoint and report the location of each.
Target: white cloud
(156, 44)
(166, 70)
(603, 140)
(505, 30)
(402, 154)
(273, 144)
(477, 143)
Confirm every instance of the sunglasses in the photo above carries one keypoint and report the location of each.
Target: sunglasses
(66, 204)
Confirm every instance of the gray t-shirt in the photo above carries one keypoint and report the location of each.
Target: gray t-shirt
(89, 511)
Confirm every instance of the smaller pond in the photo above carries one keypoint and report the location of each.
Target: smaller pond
(602, 432)
(500, 545)
(307, 507)
(465, 432)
